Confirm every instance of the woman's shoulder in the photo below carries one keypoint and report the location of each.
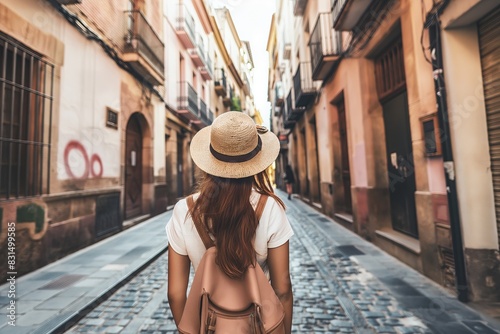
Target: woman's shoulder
(271, 203)
(181, 207)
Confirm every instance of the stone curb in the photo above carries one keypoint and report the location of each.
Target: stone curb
(65, 321)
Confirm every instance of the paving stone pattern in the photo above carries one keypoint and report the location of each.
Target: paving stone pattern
(332, 292)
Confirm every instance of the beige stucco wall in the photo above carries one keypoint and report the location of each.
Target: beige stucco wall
(469, 137)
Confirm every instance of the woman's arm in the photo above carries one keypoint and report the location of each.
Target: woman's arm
(278, 261)
(178, 276)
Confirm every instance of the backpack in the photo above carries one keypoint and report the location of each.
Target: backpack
(219, 304)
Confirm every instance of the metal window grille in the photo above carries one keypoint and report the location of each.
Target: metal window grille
(390, 71)
(26, 98)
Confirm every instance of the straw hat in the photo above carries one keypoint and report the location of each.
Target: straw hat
(234, 147)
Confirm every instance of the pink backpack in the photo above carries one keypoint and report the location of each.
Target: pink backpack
(219, 304)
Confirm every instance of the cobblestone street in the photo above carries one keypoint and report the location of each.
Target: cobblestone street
(341, 283)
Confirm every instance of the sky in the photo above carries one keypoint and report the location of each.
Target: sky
(252, 19)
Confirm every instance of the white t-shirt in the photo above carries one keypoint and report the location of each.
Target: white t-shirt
(273, 230)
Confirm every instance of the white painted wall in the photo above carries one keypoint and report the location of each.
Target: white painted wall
(90, 82)
(470, 137)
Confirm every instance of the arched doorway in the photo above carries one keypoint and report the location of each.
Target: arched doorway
(133, 168)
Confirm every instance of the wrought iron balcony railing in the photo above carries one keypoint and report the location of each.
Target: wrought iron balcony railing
(188, 101)
(210, 116)
(185, 27)
(325, 46)
(288, 122)
(220, 82)
(303, 85)
(204, 113)
(198, 53)
(141, 40)
(207, 71)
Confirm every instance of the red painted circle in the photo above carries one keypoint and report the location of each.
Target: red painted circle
(95, 158)
(74, 145)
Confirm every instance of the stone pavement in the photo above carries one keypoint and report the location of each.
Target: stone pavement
(52, 298)
(341, 283)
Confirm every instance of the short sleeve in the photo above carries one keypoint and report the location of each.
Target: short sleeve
(175, 236)
(279, 230)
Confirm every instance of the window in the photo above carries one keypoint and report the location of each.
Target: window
(25, 116)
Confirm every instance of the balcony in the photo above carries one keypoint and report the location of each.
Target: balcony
(347, 13)
(188, 102)
(303, 87)
(220, 82)
(207, 72)
(278, 94)
(211, 116)
(247, 87)
(288, 119)
(228, 99)
(197, 54)
(143, 49)
(325, 46)
(299, 7)
(185, 27)
(205, 114)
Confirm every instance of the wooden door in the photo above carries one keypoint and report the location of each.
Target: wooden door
(344, 151)
(400, 164)
(133, 169)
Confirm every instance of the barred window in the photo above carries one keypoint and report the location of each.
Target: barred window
(26, 89)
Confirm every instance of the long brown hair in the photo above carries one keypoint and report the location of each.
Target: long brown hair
(225, 209)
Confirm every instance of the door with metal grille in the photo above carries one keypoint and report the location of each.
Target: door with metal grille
(489, 30)
(133, 169)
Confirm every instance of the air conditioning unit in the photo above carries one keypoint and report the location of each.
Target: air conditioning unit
(69, 2)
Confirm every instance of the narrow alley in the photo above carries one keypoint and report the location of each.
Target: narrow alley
(342, 284)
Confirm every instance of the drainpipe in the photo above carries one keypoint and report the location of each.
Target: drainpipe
(434, 26)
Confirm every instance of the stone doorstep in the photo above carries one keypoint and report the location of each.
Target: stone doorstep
(491, 310)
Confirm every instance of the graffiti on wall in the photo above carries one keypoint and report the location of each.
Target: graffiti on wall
(77, 163)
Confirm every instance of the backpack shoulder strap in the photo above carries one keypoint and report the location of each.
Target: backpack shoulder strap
(260, 206)
(202, 231)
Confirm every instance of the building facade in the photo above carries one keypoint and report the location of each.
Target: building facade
(355, 92)
(80, 108)
(97, 115)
